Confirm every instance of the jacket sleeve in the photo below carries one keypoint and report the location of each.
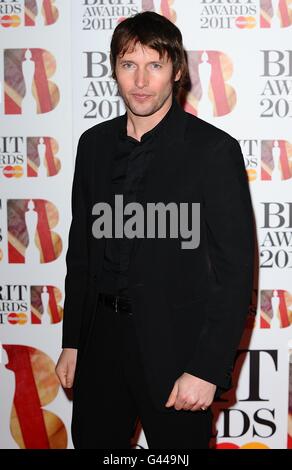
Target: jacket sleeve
(230, 238)
(77, 254)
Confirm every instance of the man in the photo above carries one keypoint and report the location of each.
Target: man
(150, 328)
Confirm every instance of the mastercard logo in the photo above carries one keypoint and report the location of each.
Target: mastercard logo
(248, 445)
(13, 171)
(252, 174)
(10, 21)
(17, 318)
(245, 22)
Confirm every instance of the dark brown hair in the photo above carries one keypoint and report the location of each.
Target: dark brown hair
(155, 31)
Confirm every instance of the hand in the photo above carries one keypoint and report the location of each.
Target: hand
(66, 365)
(191, 393)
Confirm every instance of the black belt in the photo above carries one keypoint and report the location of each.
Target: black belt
(118, 304)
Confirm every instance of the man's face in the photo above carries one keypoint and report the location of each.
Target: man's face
(144, 80)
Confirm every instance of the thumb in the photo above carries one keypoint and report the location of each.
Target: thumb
(172, 396)
(62, 375)
(69, 375)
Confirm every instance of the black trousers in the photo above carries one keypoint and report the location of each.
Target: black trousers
(110, 395)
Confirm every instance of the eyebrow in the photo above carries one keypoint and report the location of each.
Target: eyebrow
(151, 62)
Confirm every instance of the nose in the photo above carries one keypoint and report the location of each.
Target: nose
(141, 78)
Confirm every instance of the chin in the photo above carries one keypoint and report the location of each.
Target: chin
(146, 112)
(142, 109)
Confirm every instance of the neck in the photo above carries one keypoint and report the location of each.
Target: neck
(139, 125)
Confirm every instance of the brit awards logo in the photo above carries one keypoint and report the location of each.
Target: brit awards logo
(103, 15)
(31, 238)
(32, 13)
(21, 304)
(276, 14)
(268, 160)
(32, 157)
(27, 376)
(276, 91)
(228, 14)
(270, 309)
(28, 86)
(276, 161)
(101, 97)
(245, 14)
(250, 419)
(275, 235)
(212, 93)
(275, 309)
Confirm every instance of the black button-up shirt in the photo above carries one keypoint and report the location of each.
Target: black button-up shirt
(130, 164)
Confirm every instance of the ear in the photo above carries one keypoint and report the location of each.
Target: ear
(178, 75)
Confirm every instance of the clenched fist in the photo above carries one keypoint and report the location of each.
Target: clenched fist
(66, 365)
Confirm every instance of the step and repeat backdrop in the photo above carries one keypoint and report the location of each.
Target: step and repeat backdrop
(55, 82)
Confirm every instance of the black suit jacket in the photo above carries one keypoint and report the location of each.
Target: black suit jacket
(190, 305)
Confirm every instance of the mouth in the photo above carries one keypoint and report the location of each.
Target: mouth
(140, 97)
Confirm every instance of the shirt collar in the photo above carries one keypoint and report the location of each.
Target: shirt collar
(160, 125)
